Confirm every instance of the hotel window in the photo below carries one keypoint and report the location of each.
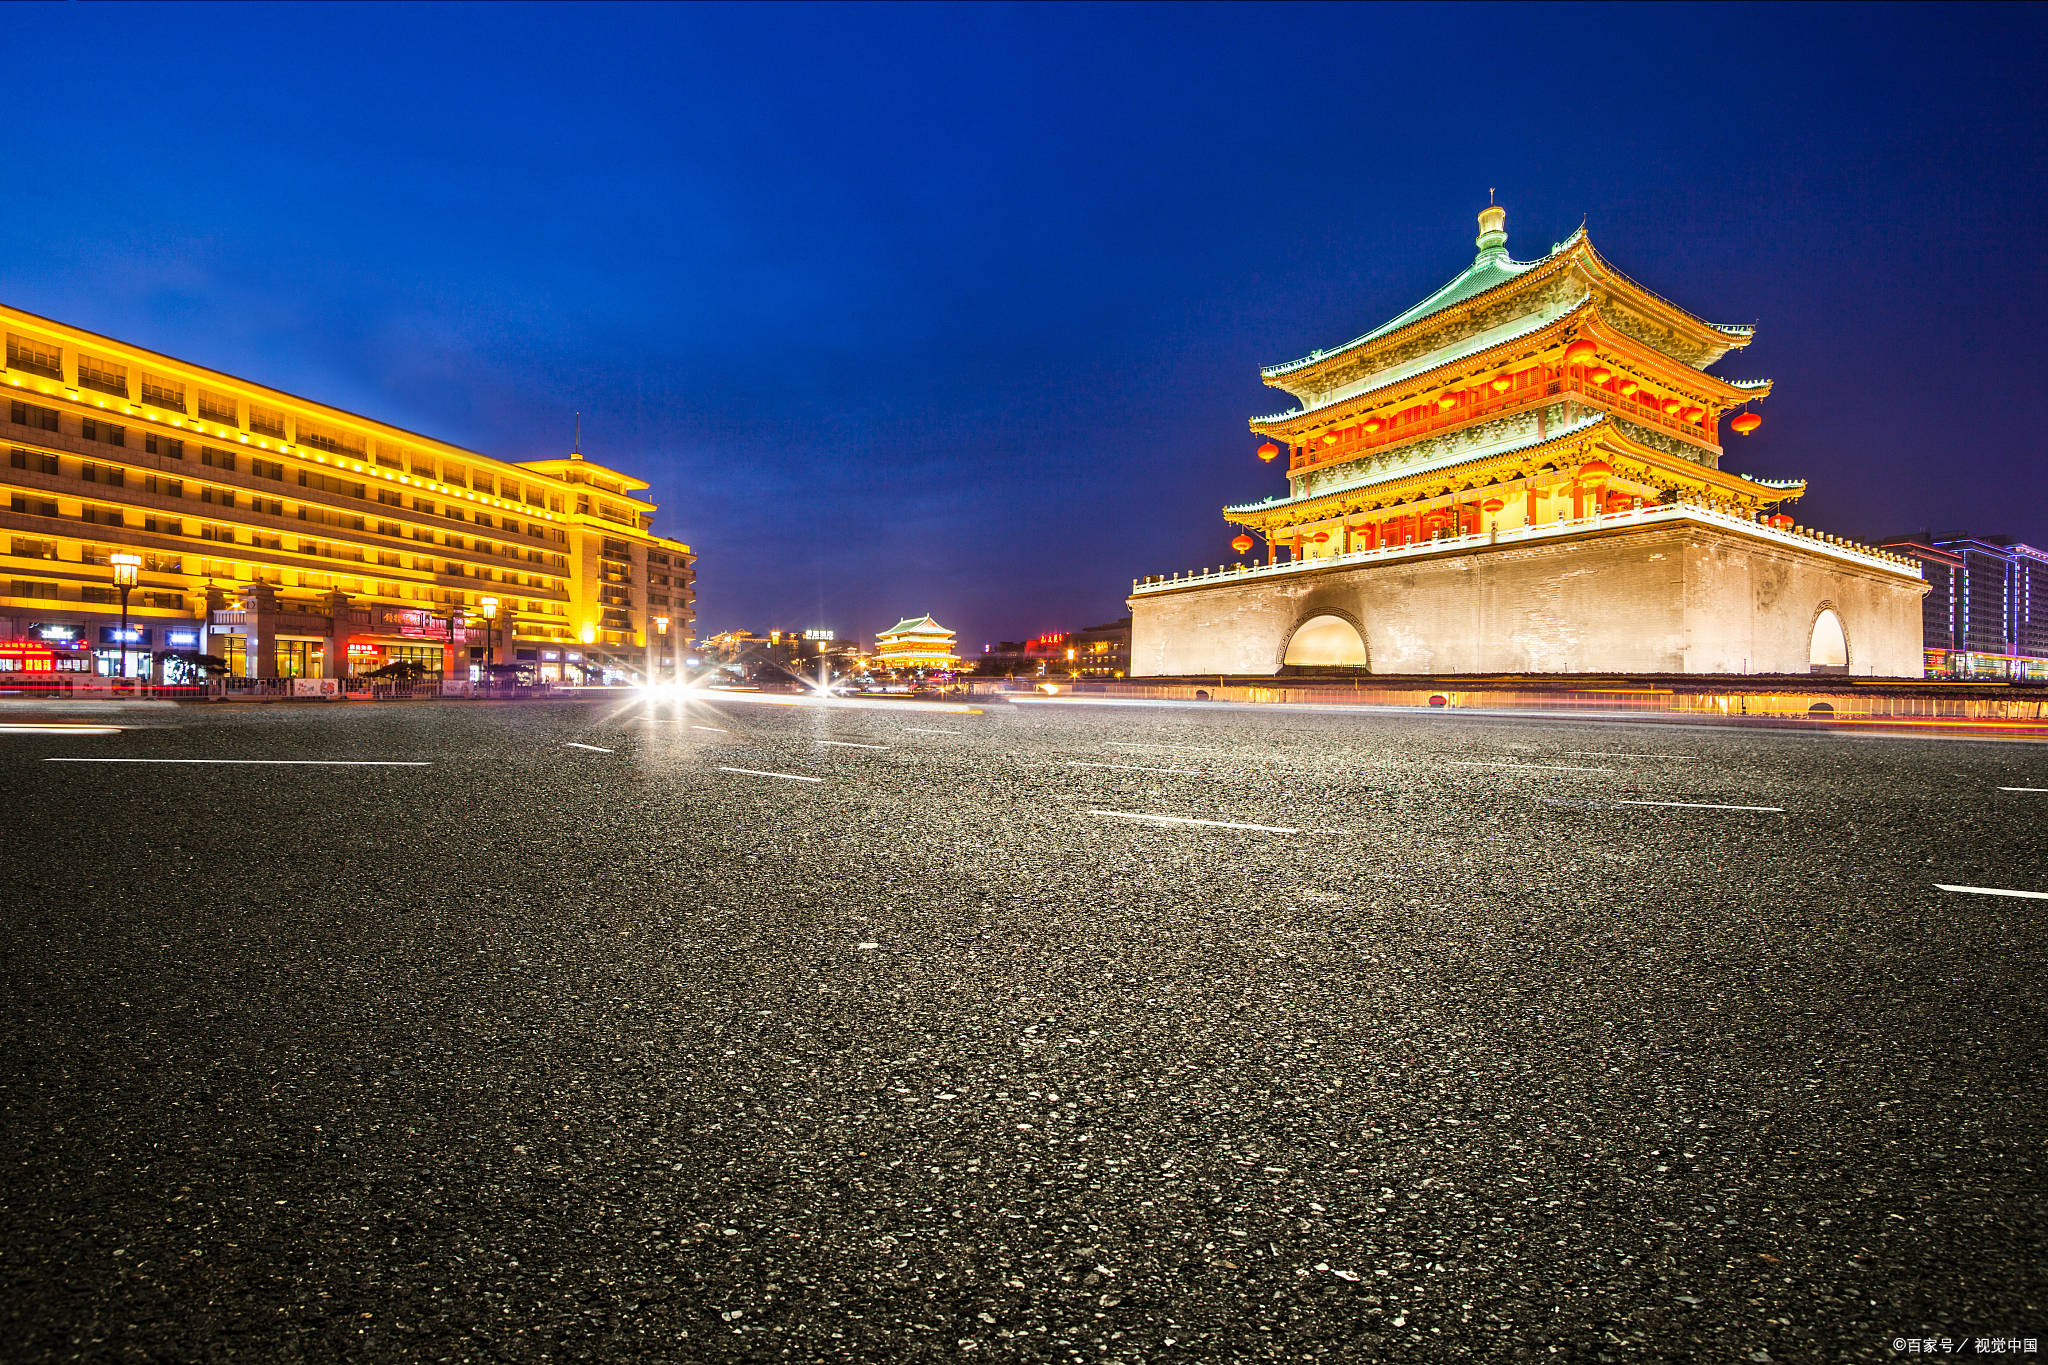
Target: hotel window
(221, 533)
(165, 600)
(327, 484)
(219, 497)
(35, 507)
(37, 357)
(104, 375)
(98, 594)
(164, 526)
(163, 564)
(454, 474)
(390, 456)
(106, 432)
(112, 475)
(390, 498)
(484, 483)
(158, 392)
(33, 460)
(387, 528)
(216, 407)
(535, 497)
(217, 458)
(423, 505)
(170, 447)
(100, 516)
(268, 506)
(266, 421)
(267, 469)
(29, 587)
(334, 442)
(25, 548)
(30, 415)
(168, 488)
(267, 543)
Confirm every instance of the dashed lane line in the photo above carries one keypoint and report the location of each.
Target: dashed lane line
(1993, 891)
(1505, 763)
(849, 744)
(572, 744)
(1191, 820)
(920, 730)
(1129, 768)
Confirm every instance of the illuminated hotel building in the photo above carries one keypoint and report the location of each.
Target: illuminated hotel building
(296, 539)
(1986, 613)
(1524, 473)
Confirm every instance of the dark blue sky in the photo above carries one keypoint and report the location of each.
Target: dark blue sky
(960, 310)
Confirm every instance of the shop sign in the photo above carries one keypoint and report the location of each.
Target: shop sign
(114, 635)
(358, 650)
(181, 639)
(551, 655)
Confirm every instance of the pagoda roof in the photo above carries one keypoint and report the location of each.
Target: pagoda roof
(1614, 435)
(915, 625)
(1494, 272)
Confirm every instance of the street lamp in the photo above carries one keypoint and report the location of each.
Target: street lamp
(489, 607)
(661, 627)
(125, 567)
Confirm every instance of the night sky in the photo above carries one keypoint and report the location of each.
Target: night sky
(960, 311)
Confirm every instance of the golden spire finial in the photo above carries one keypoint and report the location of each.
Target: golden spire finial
(1493, 226)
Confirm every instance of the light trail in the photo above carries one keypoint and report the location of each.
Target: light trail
(1504, 763)
(1594, 753)
(1993, 891)
(1191, 820)
(719, 729)
(592, 747)
(1701, 805)
(60, 729)
(279, 762)
(2024, 789)
(756, 772)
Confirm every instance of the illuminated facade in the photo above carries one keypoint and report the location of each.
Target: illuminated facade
(296, 539)
(1524, 472)
(1986, 612)
(916, 644)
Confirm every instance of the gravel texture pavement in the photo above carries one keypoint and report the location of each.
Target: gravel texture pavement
(587, 1040)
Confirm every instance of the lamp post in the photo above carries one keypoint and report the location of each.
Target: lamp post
(489, 607)
(661, 629)
(125, 567)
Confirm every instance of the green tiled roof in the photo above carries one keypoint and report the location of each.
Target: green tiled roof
(1490, 269)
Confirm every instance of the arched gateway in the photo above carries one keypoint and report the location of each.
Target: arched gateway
(1829, 650)
(1326, 642)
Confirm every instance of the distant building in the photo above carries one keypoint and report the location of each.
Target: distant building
(916, 644)
(293, 539)
(1986, 610)
(1102, 651)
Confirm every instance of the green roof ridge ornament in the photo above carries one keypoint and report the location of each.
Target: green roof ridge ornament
(1493, 232)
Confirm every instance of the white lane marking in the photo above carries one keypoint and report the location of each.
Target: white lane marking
(1125, 767)
(60, 729)
(1131, 744)
(1701, 805)
(1191, 820)
(2023, 789)
(849, 744)
(719, 728)
(756, 772)
(1993, 891)
(1503, 763)
(592, 747)
(306, 762)
(920, 730)
(1601, 753)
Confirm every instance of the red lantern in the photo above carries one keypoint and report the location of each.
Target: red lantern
(1243, 544)
(1626, 387)
(1579, 352)
(1746, 423)
(1268, 452)
(1595, 471)
(1671, 407)
(1600, 375)
(1493, 504)
(1320, 536)
(1501, 383)
(1372, 424)
(1693, 415)
(1329, 438)
(1447, 402)
(1779, 520)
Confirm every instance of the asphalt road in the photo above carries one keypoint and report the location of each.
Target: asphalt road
(541, 1051)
